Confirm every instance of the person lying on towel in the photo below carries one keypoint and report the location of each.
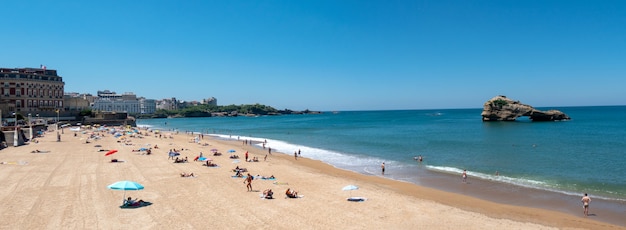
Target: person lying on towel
(131, 202)
(291, 193)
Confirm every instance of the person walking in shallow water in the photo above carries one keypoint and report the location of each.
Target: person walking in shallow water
(464, 176)
(586, 200)
(382, 168)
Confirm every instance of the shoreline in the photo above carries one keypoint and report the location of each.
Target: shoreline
(493, 193)
(606, 211)
(73, 173)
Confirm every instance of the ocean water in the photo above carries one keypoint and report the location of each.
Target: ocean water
(584, 155)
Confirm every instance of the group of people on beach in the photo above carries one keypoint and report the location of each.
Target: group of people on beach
(181, 160)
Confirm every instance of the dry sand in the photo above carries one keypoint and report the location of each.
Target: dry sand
(66, 188)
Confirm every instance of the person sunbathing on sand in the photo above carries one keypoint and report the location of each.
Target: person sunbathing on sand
(131, 202)
(186, 174)
(291, 193)
(268, 194)
(237, 169)
(180, 160)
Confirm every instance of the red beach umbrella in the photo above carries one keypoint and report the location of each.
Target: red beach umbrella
(110, 152)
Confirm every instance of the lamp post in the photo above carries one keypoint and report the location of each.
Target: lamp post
(15, 144)
(37, 121)
(30, 126)
(57, 123)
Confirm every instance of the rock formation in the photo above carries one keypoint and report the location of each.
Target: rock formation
(501, 108)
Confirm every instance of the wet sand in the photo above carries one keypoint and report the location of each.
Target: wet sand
(66, 188)
(602, 210)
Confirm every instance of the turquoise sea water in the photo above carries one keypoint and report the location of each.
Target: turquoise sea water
(586, 154)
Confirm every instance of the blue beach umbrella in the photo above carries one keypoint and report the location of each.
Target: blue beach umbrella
(125, 185)
(231, 151)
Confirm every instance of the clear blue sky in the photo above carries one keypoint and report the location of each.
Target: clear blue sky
(328, 55)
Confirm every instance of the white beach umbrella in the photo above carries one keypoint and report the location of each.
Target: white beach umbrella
(350, 188)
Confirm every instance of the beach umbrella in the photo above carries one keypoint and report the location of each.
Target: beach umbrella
(110, 152)
(231, 151)
(173, 154)
(350, 188)
(125, 185)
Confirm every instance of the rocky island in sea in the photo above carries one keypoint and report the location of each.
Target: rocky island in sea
(501, 108)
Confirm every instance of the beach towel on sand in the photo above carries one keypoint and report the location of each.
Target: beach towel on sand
(142, 204)
(357, 199)
(14, 163)
(296, 197)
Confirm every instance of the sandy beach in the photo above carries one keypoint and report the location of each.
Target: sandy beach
(65, 187)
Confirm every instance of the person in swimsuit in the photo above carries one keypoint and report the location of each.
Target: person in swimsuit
(586, 200)
(248, 182)
(464, 176)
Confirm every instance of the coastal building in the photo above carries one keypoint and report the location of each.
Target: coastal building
(77, 102)
(108, 101)
(187, 104)
(147, 106)
(167, 104)
(30, 90)
(210, 101)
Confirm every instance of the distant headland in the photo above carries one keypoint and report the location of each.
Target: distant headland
(251, 110)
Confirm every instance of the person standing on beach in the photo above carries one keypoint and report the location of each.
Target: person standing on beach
(464, 176)
(269, 150)
(586, 200)
(248, 180)
(246, 156)
(382, 167)
(295, 155)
